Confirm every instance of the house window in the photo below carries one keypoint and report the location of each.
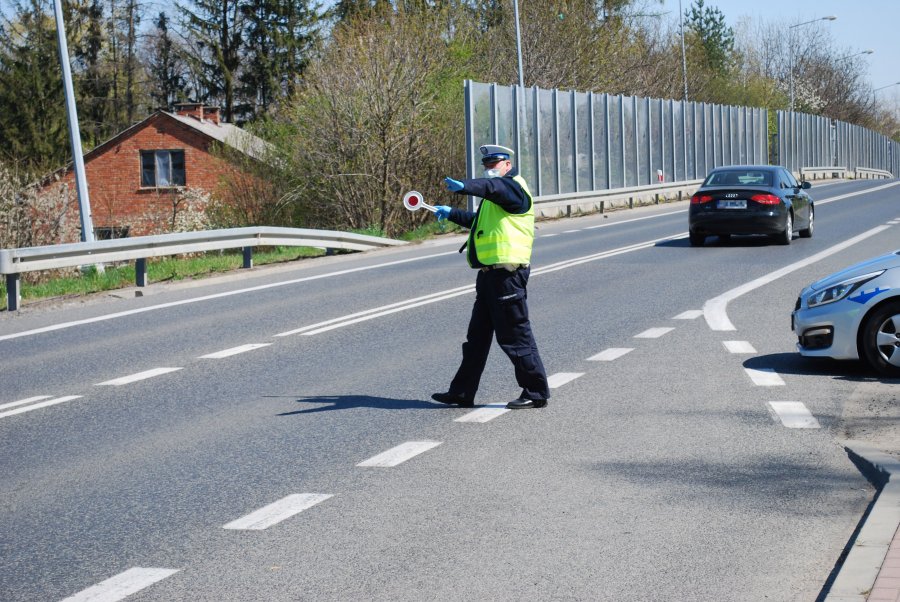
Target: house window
(162, 168)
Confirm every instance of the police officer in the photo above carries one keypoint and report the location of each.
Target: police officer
(501, 233)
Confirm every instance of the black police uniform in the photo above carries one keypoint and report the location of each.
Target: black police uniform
(500, 303)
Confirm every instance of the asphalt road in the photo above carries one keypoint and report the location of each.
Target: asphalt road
(656, 473)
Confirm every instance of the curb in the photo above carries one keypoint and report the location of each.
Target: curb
(860, 569)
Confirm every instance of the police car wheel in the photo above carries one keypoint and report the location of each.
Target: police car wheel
(880, 340)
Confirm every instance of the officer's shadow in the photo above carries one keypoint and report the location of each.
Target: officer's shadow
(328, 403)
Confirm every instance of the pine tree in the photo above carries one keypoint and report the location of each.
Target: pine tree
(165, 67)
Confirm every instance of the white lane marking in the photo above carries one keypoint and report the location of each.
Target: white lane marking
(561, 378)
(13, 404)
(654, 333)
(122, 585)
(767, 377)
(400, 454)
(851, 194)
(234, 351)
(43, 404)
(384, 310)
(739, 347)
(793, 414)
(549, 235)
(570, 231)
(608, 355)
(484, 413)
(691, 314)
(715, 310)
(116, 382)
(252, 289)
(636, 219)
(278, 511)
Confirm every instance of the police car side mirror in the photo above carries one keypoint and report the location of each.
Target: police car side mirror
(805, 185)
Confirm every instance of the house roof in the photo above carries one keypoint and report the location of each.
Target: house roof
(227, 134)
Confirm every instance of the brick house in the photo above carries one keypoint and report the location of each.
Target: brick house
(136, 179)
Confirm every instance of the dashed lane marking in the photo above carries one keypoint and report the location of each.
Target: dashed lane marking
(122, 585)
(654, 333)
(278, 511)
(570, 231)
(400, 454)
(561, 378)
(36, 406)
(692, 314)
(739, 347)
(234, 351)
(765, 377)
(549, 235)
(116, 382)
(484, 413)
(608, 355)
(793, 414)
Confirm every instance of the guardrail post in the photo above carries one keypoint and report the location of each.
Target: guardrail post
(13, 292)
(602, 206)
(140, 272)
(248, 258)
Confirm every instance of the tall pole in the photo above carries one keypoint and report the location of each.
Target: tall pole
(519, 44)
(791, 49)
(683, 53)
(84, 203)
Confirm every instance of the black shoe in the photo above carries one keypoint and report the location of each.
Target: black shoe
(521, 404)
(460, 399)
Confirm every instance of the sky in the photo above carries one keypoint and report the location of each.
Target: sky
(860, 25)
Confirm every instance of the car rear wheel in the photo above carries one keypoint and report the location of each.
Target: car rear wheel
(808, 232)
(784, 237)
(881, 339)
(696, 239)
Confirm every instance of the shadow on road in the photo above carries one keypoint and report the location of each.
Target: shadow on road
(328, 403)
(794, 363)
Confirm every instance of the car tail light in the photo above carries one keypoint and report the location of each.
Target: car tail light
(766, 199)
(701, 198)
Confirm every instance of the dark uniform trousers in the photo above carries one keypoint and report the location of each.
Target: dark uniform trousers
(501, 308)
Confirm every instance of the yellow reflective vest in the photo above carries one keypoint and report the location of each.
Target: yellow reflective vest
(502, 237)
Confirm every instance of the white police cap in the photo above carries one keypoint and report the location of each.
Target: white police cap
(494, 152)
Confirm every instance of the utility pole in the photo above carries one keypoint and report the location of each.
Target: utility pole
(84, 203)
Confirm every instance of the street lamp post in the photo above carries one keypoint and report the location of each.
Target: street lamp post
(791, 49)
(683, 53)
(519, 45)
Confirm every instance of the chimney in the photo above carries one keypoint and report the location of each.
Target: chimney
(198, 111)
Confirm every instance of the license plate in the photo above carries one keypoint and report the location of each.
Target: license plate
(735, 204)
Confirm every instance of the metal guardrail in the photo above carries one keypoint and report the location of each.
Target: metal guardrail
(14, 262)
(601, 200)
(822, 172)
(865, 173)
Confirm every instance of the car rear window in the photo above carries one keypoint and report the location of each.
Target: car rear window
(739, 177)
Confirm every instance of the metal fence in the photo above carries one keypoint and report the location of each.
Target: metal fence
(571, 142)
(814, 141)
(568, 142)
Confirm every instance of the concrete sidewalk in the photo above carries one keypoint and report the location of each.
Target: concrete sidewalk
(871, 420)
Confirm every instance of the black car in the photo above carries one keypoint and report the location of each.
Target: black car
(751, 199)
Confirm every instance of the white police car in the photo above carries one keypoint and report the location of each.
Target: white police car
(853, 314)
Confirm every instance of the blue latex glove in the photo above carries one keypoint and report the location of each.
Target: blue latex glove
(453, 185)
(442, 212)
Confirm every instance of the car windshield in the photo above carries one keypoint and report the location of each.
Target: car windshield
(739, 177)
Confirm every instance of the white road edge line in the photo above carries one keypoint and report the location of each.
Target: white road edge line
(13, 404)
(400, 454)
(560, 378)
(608, 355)
(37, 406)
(793, 414)
(766, 377)
(234, 351)
(715, 310)
(484, 413)
(122, 585)
(117, 382)
(276, 512)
